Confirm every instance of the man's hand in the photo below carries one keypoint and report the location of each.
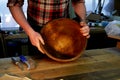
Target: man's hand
(35, 39)
(84, 29)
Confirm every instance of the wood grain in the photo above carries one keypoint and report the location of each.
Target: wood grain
(97, 64)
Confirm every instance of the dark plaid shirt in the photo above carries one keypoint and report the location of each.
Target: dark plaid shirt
(42, 11)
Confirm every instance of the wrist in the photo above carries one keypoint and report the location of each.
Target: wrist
(84, 21)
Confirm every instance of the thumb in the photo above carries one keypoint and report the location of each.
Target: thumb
(40, 47)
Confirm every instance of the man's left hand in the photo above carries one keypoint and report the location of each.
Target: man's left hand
(84, 29)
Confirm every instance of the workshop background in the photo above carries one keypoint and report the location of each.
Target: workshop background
(100, 60)
(13, 40)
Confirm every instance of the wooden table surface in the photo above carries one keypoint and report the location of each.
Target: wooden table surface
(96, 64)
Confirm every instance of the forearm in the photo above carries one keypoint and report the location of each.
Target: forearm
(20, 18)
(80, 10)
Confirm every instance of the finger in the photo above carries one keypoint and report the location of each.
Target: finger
(85, 32)
(88, 36)
(41, 39)
(85, 29)
(40, 47)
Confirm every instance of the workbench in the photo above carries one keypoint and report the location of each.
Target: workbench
(96, 64)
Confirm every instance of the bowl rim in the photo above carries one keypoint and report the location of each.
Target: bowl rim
(63, 60)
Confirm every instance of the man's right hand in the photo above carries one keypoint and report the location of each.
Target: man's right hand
(35, 39)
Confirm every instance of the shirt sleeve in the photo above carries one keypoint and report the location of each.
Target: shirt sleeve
(15, 3)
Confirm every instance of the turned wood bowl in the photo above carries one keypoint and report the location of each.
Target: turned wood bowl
(63, 40)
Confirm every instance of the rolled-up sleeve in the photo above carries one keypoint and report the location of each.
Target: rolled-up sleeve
(15, 3)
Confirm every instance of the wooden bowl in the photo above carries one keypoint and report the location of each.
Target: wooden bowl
(63, 40)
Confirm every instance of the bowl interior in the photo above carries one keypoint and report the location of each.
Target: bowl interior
(63, 40)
